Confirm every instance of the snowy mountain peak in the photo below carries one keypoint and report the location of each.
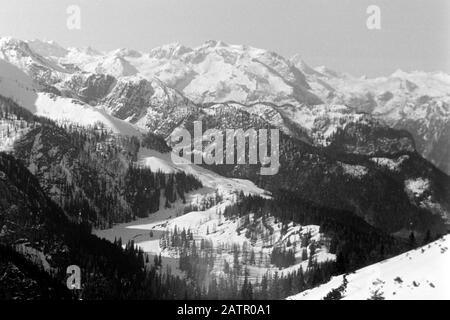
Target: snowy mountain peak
(124, 52)
(298, 61)
(14, 47)
(219, 72)
(114, 65)
(169, 51)
(400, 74)
(214, 43)
(85, 50)
(328, 72)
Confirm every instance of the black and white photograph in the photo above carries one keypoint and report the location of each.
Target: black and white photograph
(244, 151)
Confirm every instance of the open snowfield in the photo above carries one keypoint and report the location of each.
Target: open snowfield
(166, 163)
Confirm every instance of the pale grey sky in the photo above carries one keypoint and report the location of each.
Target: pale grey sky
(414, 35)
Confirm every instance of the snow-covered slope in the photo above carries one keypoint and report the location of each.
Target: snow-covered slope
(168, 162)
(420, 274)
(16, 84)
(66, 110)
(112, 81)
(19, 67)
(149, 104)
(114, 65)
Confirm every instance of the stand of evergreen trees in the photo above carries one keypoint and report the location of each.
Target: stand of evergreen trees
(199, 258)
(354, 241)
(108, 270)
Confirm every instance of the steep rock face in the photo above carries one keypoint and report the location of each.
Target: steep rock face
(150, 105)
(30, 234)
(27, 219)
(42, 70)
(430, 127)
(87, 87)
(23, 218)
(114, 65)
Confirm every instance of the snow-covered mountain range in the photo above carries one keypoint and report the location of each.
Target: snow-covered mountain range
(212, 72)
(231, 86)
(167, 82)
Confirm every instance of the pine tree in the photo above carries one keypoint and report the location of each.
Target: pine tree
(275, 292)
(252, 257)
(264, 287)
(427, 238)
(412, 240)
(247, 289)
